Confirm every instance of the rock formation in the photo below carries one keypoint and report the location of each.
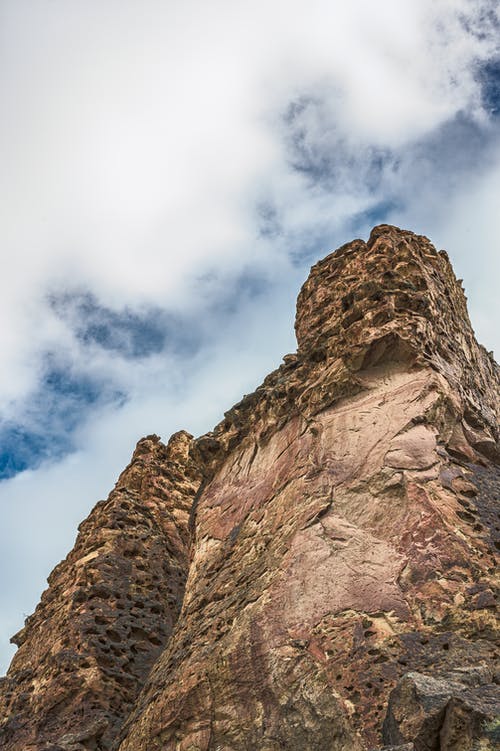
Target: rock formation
(315, 574)
(109, 609)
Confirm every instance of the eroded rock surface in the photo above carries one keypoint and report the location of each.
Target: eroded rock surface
(343, 534)
(110, 607)
(457, 711)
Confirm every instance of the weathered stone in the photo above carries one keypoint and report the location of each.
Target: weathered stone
(458, 711)
(342, 534)
(109, 609)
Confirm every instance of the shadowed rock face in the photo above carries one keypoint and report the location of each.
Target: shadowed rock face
(343, 525)
(109, 609)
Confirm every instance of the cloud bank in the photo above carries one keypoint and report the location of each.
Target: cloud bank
(170, 171)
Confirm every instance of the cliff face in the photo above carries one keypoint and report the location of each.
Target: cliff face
(339, 551)
(109, 610)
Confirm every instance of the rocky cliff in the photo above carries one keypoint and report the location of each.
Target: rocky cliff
(317, 573)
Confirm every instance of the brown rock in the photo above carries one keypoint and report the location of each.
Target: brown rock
(109, 609)
(455, 712)
(343, 533)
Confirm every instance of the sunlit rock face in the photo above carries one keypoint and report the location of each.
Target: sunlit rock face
(316, 574)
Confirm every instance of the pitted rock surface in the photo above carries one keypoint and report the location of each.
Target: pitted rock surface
(109, 609)
(342, 533)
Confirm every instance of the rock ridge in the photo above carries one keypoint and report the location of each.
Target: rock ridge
(316, 573)
(109, 609)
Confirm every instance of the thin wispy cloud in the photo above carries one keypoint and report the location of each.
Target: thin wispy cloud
(169, 173)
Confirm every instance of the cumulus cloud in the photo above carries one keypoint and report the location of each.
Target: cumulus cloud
(170, 170)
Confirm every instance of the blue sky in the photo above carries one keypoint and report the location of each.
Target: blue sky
(170, 172)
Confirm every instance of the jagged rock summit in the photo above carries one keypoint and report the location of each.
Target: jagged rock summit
(315, 574)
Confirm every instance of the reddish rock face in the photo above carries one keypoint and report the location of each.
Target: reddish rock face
(342, 534)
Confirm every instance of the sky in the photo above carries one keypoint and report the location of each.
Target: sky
(170, 172)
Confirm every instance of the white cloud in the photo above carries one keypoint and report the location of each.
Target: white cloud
(138, 141)
(470, 227)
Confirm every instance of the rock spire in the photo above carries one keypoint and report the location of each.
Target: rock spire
(316, 573)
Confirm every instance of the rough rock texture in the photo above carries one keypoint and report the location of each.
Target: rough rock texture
(109, 609)
(342, 538)
(450, 712)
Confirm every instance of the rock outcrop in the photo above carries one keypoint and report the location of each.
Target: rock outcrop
(449, 711)
(338, 531)
(109, 610)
